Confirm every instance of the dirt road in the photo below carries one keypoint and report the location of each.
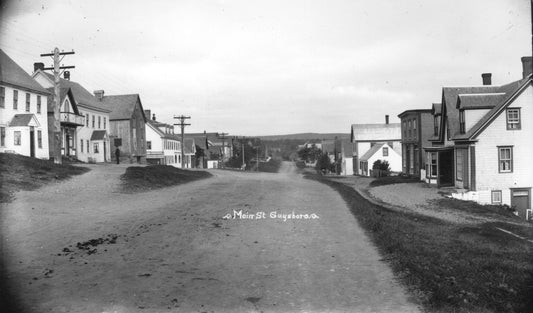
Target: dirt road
(194, 248)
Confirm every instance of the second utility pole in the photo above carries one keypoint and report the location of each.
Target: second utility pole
(182, 124)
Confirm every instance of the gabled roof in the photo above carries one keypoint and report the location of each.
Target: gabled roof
(123, 106)
(82, 96)
(372, 132)
(479, 101)
(22, 120)
(188, 146)
(201, 142)
(64, 92)
(12, 74)
(513, 90)
(98, 135)
(371, 152)
(450, 96)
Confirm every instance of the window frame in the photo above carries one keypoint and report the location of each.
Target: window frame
(2, 136)
(87, 119)
(39, 104)
(516, 121)
(385, 151)
(28, 102)
(2, 97)
(17, 140)
(15, 99)
(436, 125)
(81, 145)
(501, 161)
(493, 193)
(39, 139)
(459, 155)
(93, 121)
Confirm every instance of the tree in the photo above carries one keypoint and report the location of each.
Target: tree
(310, 154)
(381, 168)
(323, 163)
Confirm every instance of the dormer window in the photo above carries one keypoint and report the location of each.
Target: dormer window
(436, 125)
(513, 119)
(462, 122)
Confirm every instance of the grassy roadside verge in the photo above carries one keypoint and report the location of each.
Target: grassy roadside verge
(449, 267)
(271, 166)
(18, 172)
(139, 179)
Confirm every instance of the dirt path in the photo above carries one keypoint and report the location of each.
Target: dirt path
(171, 250)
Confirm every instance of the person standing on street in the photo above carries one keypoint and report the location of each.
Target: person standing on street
(117, 155)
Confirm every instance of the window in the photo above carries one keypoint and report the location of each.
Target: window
(96, 148)
(385, 151)
(404, 129)
(496, 196)
(17, 138)
(513, 119)
(459, 165)
(149, 145)
(67, 106)
(2, 136)
(27, 102)
(87, 123)
(93, 121)
(436, 125)
(433, 164)
(105, 123)
(414, 128)
(15, 99)
(409, 128)
(81, 145)
(88, 146)
(462, 122)
(39, 104)
(505, 159)
(99, 120)
(2, 97)
(39, 139)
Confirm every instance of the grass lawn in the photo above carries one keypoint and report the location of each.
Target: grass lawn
(450, 267)
(389, 180)
(138, 179)
(19, 172)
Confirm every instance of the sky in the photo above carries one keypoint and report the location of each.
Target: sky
(251, 68)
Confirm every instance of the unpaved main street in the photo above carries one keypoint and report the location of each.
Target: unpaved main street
(171, 250)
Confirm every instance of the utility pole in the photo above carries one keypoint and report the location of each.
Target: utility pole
(223, 137)
(182, 124)
(56, 138)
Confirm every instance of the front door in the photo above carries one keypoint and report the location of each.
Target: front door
(32, 141)
(521, 200)
(446, 168)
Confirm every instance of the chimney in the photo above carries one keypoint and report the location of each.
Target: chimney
(66, 75)
(99, 94)
(147, 113)
(527, 66)
(38, 66)
(153, 117)
(386, 119)
(487, 79)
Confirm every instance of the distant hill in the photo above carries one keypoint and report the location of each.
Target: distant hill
(307, 136)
